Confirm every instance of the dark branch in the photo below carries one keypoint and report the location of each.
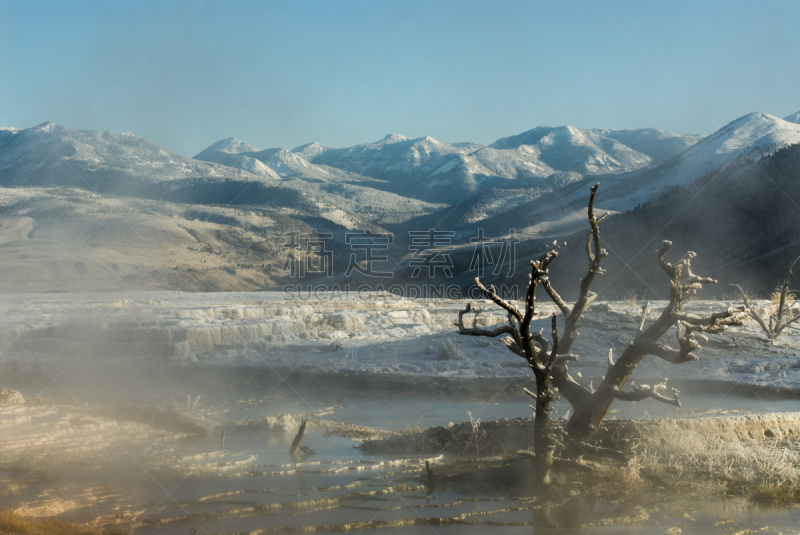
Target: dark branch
(562, 306)
(480, 331)
(673, 356)
(553, 352)
(644, 392)
(491, 294)
(585, 297)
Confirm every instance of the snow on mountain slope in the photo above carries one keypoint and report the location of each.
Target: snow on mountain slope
(395, 156)
(432, 170)
(793, 118)
(278, 163)
(751, 136)
(589, 152)
(530, 158)
(244, 161)
(52, 154)
(290, 164)
(230, 145)
(309, 151)
(657, 144)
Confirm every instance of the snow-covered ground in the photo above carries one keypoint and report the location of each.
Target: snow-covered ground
(369, 333)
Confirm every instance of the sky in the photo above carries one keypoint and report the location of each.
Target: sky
(185, 74)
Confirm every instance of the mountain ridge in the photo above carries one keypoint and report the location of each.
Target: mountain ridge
(428, 169)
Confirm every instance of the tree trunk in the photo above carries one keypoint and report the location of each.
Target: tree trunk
(590, 414)
(542, 441)
(587, 419)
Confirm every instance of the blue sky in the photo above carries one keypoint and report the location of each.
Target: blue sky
(345, 72)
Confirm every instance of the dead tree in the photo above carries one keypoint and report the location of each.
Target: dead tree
(782, 317)
(550, 364)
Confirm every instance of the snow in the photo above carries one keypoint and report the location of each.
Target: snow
(337, 332)
(754, 130)
(449, 166)
(90, 151)
(793, 118)
(751, 136)
(229, 145)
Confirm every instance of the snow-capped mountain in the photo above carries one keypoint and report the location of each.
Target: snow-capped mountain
(52, 154)
(429, 169)
(535, 183)
(742, 221)
(541, 171)
(286, 164)
(557, 209)
(395, 156)
(229, 145)
(309, 151)
(749, 137)
(597, 152)
(793, 118)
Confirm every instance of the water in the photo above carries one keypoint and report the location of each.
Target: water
(160, 483)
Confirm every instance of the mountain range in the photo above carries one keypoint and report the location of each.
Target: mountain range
(534, 182)
(429, 170)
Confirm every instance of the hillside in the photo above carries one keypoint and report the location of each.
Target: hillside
(67, 239)
(744, 223)
(747, 138)
(50, 154)
(793, 118)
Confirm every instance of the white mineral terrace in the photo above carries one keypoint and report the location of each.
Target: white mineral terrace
(367, 333)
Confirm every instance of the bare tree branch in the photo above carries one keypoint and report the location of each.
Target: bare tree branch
(548, 368)
(480, 331)
(542, 341)
(295, 447)
(585, 297)
(491, 294)
(784, 291)
(673, 356)
(513, 347)
(643, 392)
(562, 306)
(549, 361)
(645, 310)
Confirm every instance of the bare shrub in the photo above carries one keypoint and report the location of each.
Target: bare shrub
(781, 314)
(450, 351)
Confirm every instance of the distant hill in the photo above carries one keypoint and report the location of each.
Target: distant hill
(744, 223)
(75, 204)
(50, 154)
(793, 118)
(436, 171)
(122, 164)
